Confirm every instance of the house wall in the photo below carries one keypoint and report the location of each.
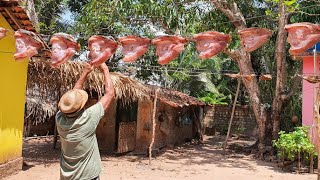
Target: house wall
(218, 116)
(176, 127)
(106, 130)
(144, 125)
(13, 78)
(169, 130)
(308, 93)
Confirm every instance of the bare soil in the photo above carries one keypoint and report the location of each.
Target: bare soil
(199, 161)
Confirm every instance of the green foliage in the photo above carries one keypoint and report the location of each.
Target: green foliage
(292, 143)
(187, 73)
(239, 130)
(213, 98)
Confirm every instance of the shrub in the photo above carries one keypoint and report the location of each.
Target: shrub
(292, 144)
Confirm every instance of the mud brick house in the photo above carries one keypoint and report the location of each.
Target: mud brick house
(127, 125)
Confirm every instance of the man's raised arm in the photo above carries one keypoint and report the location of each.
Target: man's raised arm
(109, 90)
(87, 69)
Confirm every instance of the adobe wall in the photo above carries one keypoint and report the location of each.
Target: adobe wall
(175, 125)
(170, 129)
(144, 125)
(106, 130)
(218, 116)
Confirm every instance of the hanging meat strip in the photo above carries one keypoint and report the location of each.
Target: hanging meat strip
(248, 77)
(302, 36)
(311, 78)
(265, 77)
(133, 47)
(168, 48)
(254, 38)
(233, 76)
(64, 47)
(210, 43)
(101, 49)
(27, 44)
(3, 32)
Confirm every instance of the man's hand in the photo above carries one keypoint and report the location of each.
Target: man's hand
(87, 68)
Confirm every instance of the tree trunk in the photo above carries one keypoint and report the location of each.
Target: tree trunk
(245, 66)
(243, 60)
(280, 56)
(31, 12)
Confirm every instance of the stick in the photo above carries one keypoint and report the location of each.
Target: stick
(55, 135)
(231, 118)
(316, 113)
(316, 122)
(153, 123)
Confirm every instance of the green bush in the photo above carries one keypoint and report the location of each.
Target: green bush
(294, 143)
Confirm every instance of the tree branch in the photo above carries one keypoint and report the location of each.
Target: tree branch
(165, 27)
(233, 13)
(234, 54)
(295, 85)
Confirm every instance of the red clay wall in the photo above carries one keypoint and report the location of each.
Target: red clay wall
(169, 129)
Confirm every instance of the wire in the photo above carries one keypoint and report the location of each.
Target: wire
(186, 71)
(224, 22)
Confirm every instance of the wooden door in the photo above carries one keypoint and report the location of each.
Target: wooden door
(127, 136)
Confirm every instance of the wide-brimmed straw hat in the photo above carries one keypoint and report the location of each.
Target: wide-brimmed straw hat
(73, 101)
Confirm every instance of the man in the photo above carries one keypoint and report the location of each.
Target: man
(80, 157)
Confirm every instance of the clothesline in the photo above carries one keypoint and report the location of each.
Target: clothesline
(186, 35)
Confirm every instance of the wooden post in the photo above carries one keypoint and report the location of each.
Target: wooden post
(316, 122)
(55, 133)
(153, 123)
(231, 118)
(316, 113)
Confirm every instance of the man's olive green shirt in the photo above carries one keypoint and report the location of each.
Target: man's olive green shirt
(80, 157)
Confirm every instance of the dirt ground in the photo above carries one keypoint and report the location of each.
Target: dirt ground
(189, 161)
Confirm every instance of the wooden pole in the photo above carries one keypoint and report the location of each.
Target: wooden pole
(316, 117)
(153, 123)
(232, 114)
(55, 133)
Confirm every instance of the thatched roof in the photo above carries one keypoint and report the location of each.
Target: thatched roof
(175, 98)
(46, 85)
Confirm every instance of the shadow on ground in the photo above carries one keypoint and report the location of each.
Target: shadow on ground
(40, 151)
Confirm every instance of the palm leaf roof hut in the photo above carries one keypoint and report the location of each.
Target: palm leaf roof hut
(127, 122)
(45, 86)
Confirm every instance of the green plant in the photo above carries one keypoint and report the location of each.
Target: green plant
(239, 130)
(293, 144)
(214, 98)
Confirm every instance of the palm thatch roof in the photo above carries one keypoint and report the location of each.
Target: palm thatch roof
(45, 85)
(175, 98)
